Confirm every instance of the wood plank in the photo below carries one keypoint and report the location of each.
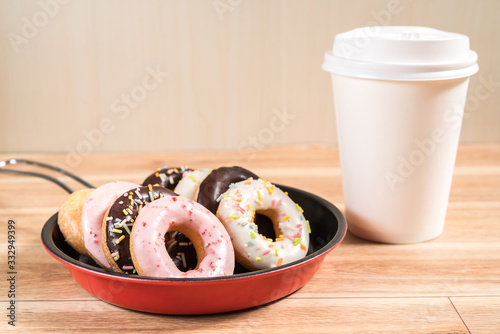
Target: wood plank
(481, 315)
(352, 315)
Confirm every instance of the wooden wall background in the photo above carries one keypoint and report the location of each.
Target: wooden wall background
(122, 75)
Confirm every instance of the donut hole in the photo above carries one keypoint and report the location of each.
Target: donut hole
(264, 220)
(182, 250)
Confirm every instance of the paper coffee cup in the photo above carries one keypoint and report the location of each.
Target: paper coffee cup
(399, 96)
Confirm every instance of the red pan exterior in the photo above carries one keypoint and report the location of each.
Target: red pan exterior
(215, 296)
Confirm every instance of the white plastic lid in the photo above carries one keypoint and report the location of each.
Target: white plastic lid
(401, 53)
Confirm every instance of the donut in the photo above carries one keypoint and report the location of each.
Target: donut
(167, 177)
(217, 183)
(70, 220)
(190, 181)
(93, 212)
(118, 222)
(254, 251)
(213, 245)
(181, 251)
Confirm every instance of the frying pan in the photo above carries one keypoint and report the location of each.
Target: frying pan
(206, 295)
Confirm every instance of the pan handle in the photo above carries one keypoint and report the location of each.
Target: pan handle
(5, 163)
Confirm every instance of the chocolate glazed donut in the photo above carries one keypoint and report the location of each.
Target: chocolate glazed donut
(217, 183)
(167, 177)
(118, 224)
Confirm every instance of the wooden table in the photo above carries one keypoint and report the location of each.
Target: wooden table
(448, 285)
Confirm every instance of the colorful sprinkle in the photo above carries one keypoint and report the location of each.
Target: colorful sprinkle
(257, 258)
(276, 252)
(286, 218)
(296, 241)
(252, 233)
(280, 261)
(114, 230)
(251, 243)
(117, 257)
(163, 178)
(120, 239)
(128, 267)
(126, 228)
(172, 245)
(192, 178)
(303, 247)
(259, 196)
(299, 208)
(308, 227)
(183, 257)
(266, 252)
(219, 198)
(125, 212)
(239, 208)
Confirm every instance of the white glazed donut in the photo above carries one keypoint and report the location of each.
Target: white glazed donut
(212, 243)
(237, 210)
(190, 182)
(93, 212)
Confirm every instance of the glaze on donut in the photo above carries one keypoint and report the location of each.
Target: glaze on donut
(217, 183)
(118, 223)
(190, 181)
(210, 239)
(93, 212)
(253, 250)
(167, 177)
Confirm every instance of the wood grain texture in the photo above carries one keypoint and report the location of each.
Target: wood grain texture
(384, 315)
(74, 73)
(480, 314)
(447, 285)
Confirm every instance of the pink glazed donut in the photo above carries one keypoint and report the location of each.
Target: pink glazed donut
(213, 245)
(93, 212)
